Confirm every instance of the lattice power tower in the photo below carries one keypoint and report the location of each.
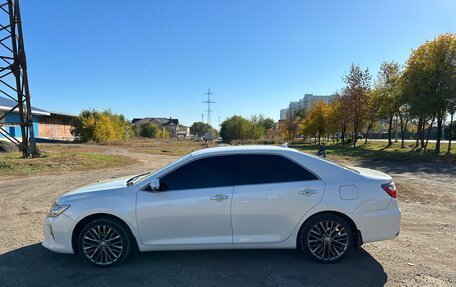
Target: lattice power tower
(13, 78)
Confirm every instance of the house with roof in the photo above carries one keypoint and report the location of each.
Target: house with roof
(171, 125)
(47, 125)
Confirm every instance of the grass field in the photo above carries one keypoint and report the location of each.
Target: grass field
(175, 147)
(60, 158)
(57, 158)
(380, 151)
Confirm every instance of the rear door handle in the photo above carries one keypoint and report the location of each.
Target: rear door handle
(308, 191)
(220, 197)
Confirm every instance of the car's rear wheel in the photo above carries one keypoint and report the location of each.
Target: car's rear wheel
(326, 238)
(104, 242)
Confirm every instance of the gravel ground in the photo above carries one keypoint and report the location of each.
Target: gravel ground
(423, 255)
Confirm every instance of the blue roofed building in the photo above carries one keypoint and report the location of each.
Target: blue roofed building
(47, 125)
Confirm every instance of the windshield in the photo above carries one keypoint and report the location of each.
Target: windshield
(141, 177)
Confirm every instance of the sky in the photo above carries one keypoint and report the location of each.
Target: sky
(157, 58)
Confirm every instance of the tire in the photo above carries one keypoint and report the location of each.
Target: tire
(104, 243)
(326, 239)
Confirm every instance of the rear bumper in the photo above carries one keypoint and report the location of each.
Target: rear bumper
(57, 234)
(380, 224)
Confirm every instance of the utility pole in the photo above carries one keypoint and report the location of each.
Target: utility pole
(13, 77)
(209, 102)
(202, 118)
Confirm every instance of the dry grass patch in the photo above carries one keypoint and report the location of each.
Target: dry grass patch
(52, 162)
(174, 147)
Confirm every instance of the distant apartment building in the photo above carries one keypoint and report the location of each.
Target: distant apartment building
(305, 103)
(283, 113)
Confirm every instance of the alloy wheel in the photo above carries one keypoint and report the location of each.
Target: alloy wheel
(102, 245)
(327, 240)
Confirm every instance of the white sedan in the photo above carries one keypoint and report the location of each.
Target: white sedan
(228, 198)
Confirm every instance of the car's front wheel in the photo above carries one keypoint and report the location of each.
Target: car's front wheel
(326, 238)
(104, 242)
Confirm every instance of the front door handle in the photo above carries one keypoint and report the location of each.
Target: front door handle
(219, 197)
(308, 191)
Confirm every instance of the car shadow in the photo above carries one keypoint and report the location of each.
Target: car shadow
(409, 167)
(35, 266)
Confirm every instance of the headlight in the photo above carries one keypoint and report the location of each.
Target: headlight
(57, 209)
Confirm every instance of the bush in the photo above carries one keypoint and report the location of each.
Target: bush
(239, 128)
(101, 127)
(149, 130)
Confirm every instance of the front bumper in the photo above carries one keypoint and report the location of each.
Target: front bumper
(57, 233)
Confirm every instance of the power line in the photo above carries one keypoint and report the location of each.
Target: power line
(209, 102)
(139, 26)
(177, 42)
(138, 58)
(179, 58)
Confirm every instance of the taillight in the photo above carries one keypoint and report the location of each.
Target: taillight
(390, 188)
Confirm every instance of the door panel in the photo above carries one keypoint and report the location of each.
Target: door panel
(271, 195)
(184, 217)
(192, 206)
(268, 213)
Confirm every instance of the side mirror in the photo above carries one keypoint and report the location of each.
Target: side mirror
(155, 184)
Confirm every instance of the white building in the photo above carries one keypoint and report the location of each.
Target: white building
(283, 113)
(305, 103)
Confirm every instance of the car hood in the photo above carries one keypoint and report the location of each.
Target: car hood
(372, 174)
(100, 186)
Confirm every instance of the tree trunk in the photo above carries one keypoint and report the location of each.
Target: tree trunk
(423, 130)
(395, 129)
(439, 133)
(428, 133)
(401, 119)
(390, 125)
(354, 137)
(344, 130)
(403, 130)
(450, 133)
(418, 133)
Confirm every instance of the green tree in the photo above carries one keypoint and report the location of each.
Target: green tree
(101, 127)
(316, 122)
(339, 118)
(200, 129)
(234, 128)
(267, 123)
(255, 129)
(429, 84)
(357, 97)
(290, 126)
(451, 111)
(387, 93)
(373, 112)
(334, 116)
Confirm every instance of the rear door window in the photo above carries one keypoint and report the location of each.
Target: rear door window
(259, 169)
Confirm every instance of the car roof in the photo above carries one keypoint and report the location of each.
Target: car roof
(243, 148)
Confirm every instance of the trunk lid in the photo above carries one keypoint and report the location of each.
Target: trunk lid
(372, 174)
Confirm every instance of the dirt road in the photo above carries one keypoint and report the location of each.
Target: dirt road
(423, 255)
